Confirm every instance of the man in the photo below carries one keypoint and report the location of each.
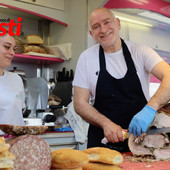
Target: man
(115, 74)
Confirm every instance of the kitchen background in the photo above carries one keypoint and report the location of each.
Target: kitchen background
(66, 21)
(72, 27)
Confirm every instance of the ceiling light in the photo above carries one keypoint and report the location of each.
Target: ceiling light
(134, 21)
(155, 16)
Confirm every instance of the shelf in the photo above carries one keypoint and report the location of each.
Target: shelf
(42, 12)
(32, 58)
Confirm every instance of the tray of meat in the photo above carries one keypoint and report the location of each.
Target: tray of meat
(150, 151)
(22, 130)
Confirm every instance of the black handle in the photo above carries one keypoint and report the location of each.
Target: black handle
(49, 118)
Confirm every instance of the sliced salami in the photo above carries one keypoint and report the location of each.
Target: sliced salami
(32, 153)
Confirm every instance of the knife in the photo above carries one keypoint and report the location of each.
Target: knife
(148, 132)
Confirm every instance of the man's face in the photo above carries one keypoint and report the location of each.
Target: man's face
(104, 27)
(7, 44)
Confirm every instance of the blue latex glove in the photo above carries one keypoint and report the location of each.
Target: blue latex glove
(141, 121)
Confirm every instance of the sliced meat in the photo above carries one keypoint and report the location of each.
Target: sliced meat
(162, 154)
(157, 145)
(31, 152)
(138, 148)
(156, 141)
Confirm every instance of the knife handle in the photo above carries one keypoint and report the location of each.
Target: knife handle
(124, 134)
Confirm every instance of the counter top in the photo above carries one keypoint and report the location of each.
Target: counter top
(154, 165)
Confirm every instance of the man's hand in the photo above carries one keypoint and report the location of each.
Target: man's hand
(141, 121)
(113, 132)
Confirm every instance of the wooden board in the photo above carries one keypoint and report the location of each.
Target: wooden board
(129, 165)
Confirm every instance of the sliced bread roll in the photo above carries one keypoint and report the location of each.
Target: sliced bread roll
(3, 146)
(68, 159)
(80, 168)
(104, 155)
(100, 166)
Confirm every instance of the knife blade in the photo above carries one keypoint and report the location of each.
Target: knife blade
(148, 132)
(158, 130)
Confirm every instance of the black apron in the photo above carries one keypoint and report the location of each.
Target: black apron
(117, 99)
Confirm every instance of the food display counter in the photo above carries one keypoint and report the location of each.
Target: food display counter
(59, 140)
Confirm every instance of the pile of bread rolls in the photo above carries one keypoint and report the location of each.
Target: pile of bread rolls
(6, 158)
(30, 43)
(97, 158)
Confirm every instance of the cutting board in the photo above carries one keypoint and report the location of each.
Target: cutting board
(128, 165)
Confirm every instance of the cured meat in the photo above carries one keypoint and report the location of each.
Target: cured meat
(31, 152)
(22, 130)
(157, 145)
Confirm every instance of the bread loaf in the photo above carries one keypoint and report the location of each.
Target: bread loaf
(68, 159)
(100, 166)
(6, 158)
(104, 155)
(80, 168)
(34, 39)
(3, 146)
(34, 48)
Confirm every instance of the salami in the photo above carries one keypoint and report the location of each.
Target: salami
(31, 152)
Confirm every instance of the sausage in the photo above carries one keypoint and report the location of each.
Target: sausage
(31, 152)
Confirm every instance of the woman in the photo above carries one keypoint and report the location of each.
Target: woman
(12, 94)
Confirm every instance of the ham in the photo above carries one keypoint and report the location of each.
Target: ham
(157, 145)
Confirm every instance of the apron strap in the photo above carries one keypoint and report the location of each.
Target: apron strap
(128, 58)
(102, 58)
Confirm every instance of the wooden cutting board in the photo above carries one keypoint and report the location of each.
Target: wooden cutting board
(129, 165)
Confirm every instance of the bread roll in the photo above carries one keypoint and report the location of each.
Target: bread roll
(3, 146)
(34, 48)
(104, 155)
(34, 39)
(80, 168)
(6, 158)
(100, 166)
(68, 159)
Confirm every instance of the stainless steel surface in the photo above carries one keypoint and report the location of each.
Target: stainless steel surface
(37, 94)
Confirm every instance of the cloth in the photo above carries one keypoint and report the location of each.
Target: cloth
(117, 99)
(144, 59)
(79, 126)
(12, 99)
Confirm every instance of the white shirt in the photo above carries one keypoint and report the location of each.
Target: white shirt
(144, 59)
(12, 99)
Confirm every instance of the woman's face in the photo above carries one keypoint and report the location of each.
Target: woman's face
(7, 44)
